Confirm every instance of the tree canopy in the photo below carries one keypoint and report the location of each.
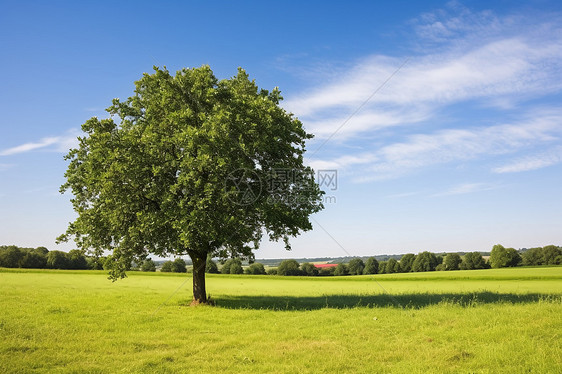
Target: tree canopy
(190, 165)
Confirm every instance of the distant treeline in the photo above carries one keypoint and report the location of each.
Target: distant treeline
(424, 261)
(41, 258)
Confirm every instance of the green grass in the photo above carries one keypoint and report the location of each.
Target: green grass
(504, 320)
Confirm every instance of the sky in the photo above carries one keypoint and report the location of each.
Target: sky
(441, 122)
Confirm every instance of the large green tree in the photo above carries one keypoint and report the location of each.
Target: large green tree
(190, 165)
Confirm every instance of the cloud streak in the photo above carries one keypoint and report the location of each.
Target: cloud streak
(490, 63)
(57, 143)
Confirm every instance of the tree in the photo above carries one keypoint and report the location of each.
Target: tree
(225, 269)
(255, 269)
(551, 255)
(452, 261)
(425, 261)
(211, 267)
(382, 267)
(407, 261)
(371, 266)
(341, 269)
(309, 269)
(392, 266)
(473, 260)
(236, 268)
(167, 267)
(76, 259)
(57, 260)
(11, 256)
(190, 165)
(148, 265)
(289, 267)
(178, 266)
(504, 257)
(33, 260)
(356, 266)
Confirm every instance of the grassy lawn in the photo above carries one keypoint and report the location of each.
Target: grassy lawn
(505, 320)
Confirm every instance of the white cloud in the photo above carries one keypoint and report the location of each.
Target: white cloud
(450, 145)
(467, 188)
(504, 65)
(533, 162)
(57, 143)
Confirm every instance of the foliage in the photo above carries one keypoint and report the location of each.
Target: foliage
(452, 261)
(371, 266)
(167, 267)
(211, 267)
(407, 261)
(473, 260)
(309, 269)
(289, 267)
(356, 266)
(225, 269)
(178, 266)
(425, 261)
(382, 267)
(548, 255)
(182, 168)
(148, 265)
(236, 268)
(392, 266)
(255, 269)
(341, 269)
(501, 257)
(57, 260)
(272, 271)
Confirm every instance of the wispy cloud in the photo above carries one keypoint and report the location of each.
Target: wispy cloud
(5, 166)
(57, 143)
(533, 162)
(504, 65)
(467, 188)
(450, 145)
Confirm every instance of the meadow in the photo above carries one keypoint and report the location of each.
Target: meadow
(482, 321)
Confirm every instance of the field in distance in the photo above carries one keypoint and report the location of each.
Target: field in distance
(498, 320)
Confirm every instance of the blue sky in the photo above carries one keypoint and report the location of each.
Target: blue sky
(442, 119)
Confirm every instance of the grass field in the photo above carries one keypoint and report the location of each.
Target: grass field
(504, 320)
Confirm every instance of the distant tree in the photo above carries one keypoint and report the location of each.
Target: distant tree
(77, 260)
(272, 271)
(289, 267)
(382, 267)
(440, 267)
(341, 269)
(211, 267)
(148, 265)
(452, 261)
(255, 269)
(178, 266)
(225, 268)
(33, 260)
(57, 260)
(356, 266)
(167, 267)
(504, 257)
(425, 261)
(11, 257)
(473, 260)
(392, 266)
(371, 266)
(41, 250)
(236, 268)
(407, 261)
(551, 255)
(326, 272)
(532, 257)
(95, 263)
(309, 269)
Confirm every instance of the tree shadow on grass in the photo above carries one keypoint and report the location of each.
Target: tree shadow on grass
(410, 301)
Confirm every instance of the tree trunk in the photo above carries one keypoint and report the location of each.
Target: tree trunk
(199, 290)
